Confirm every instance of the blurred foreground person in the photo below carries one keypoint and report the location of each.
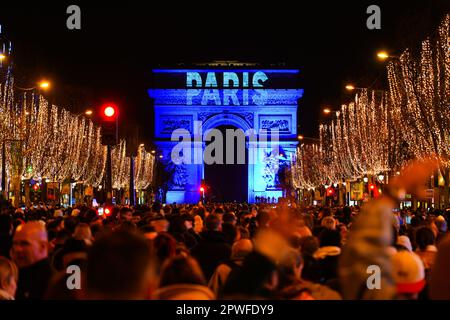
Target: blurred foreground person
(371, 235)
(8, 279)
(30, 253)
(440, 281)
(182, 279)
(120, 266)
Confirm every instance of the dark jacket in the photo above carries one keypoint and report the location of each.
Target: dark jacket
(247, 282)
(5, 244)
(211, 251)
(34, 280)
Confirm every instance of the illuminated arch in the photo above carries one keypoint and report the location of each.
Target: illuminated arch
(226, 119)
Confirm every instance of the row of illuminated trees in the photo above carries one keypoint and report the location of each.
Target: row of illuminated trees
(380, 131)
(42, 141)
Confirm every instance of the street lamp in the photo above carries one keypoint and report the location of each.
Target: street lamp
(300, 137)
(326, 111)
(383, 55)
(2, 57)
(365, 179)
(350, 87)
(44, 85)
(88, 112)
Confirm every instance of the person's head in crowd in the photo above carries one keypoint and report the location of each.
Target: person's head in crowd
(182, 279)
(8, 279)
(403, 243)
(416, 221)
(127, 226)
(72, 250)
(137, 217)
(75, 212)
(343, 230)
(198, 224)
(90, 215)
(242, 233)
(308, 220)
(263, 219)
(114, 271)
(441, 224)
(324, 212)
(309, 245)
(83, 232)
(188, 220)
(424, 238)
(213, 223)
(409, 274)
(218, 211)
(294, 240)
(181, 270)
(230, 232)
(148, 231)
(328, 222)
(241, 249)
(165, 246)
(229, 218)
(330, 238)
(160, 224)
(70, 224)
(167, 210)
(125, 214)
(290, 268)
(30, 244)
(176, 225)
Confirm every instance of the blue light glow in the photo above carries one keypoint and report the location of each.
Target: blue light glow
(258, 97)
(293, 71)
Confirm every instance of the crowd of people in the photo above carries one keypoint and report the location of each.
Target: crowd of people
(224, 251)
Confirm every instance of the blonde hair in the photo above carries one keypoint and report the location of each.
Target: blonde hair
(8, 271)
(329, 223)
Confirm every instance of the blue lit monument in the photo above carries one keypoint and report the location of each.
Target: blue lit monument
(189, 99)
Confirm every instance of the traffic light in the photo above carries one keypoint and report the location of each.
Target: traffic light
(109, 124)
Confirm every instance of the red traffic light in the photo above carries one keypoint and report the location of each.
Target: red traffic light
(372, 187)
(109, 111)
(202, 189)
(330, 191)
(107, 211)
(36, 187)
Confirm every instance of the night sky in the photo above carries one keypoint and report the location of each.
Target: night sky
(110, 58)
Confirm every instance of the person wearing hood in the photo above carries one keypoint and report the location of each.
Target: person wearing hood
(213, 248)
(328, 254)
(182, 279)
